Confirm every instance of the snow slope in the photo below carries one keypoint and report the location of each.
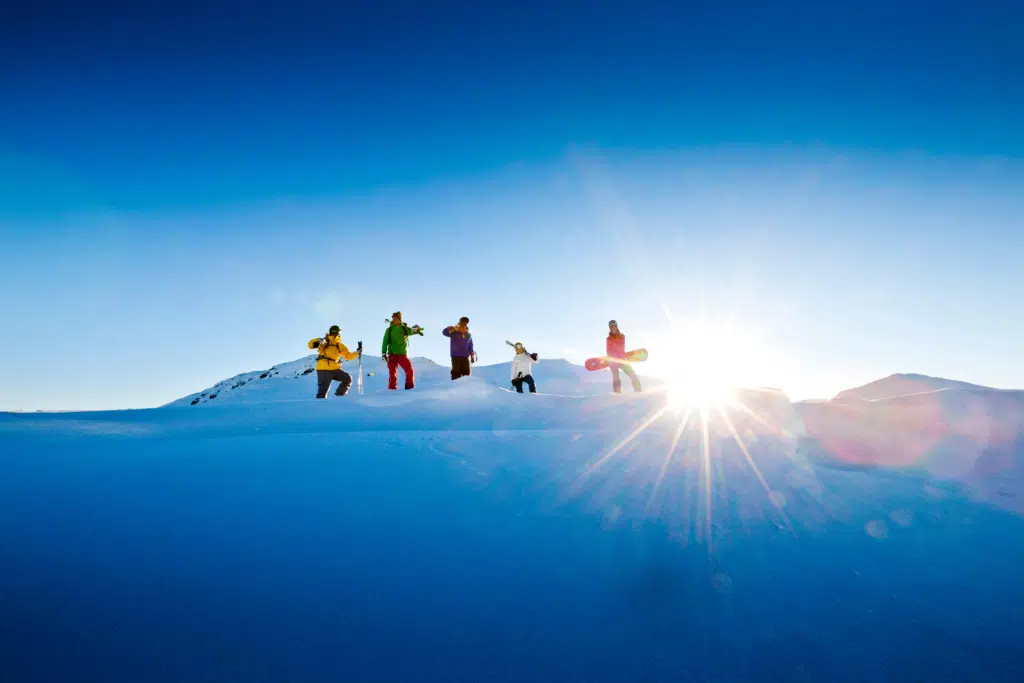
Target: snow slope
(464, 533)
(938, 427)
(296, 380)
(947, 429)
(899, 385)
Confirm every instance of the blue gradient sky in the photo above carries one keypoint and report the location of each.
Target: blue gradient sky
(194, 191)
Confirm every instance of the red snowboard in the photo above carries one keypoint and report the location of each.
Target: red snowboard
(637, 356)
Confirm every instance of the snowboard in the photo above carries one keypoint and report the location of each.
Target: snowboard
(636, 356)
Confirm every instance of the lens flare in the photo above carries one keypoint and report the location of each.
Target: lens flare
(704, 405)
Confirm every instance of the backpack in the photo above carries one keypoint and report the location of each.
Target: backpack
(324, 345)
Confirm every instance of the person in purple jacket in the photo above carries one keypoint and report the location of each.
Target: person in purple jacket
(461, 348)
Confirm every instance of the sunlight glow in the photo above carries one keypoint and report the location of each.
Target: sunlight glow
(707, 383)
(711, 361)
(680, 451)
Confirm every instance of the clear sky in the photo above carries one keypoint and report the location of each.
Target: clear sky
(191, 190)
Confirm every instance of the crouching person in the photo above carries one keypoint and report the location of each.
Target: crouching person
(522, 368)
(330, 352)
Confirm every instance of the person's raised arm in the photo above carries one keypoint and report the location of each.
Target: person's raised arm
(345, 353)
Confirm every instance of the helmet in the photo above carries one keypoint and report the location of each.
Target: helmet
(334, 329)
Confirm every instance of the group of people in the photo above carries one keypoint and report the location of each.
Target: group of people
(331, 352)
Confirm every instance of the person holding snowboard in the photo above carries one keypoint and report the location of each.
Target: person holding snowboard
(461, 348)
(615, 349)
(330, 352)
(394, 350)
(522, 368)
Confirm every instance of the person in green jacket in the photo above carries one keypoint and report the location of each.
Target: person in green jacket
(394, 350)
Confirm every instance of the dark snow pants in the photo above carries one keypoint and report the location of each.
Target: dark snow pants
(518, 383)
(617, 382)
(324, 379)
(460, 367)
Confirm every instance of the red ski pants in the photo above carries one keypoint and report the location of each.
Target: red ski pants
(394, 362)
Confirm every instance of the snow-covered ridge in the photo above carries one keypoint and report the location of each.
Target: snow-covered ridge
(296, 380)
(908, 384)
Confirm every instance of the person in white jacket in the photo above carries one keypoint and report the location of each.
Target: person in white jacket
(522, 368)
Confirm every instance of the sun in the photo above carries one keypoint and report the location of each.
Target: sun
(710, 362)
(697, 391)
(700, 386)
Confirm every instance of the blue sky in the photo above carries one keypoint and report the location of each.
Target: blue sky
(194, 191)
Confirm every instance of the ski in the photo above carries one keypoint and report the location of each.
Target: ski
(359, 382)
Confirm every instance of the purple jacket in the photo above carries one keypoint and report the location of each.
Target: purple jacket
(462, 342)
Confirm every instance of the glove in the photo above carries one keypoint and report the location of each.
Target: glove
(473, 357)
(533, 356)
(318, 341)
(384, 358)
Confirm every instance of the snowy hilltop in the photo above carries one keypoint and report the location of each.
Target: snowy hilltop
(294, 380)
(902, 386)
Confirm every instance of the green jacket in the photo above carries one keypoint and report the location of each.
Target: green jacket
(396, 341)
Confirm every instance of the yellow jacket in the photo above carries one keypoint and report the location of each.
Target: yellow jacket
(330, 352)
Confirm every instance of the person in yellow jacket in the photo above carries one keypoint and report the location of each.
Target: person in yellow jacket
(330, 352)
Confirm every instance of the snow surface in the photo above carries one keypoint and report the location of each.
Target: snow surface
(461, 532)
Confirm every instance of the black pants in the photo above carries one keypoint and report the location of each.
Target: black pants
(518, 383)
(325, 377)
(617, 382)
(460, 367)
